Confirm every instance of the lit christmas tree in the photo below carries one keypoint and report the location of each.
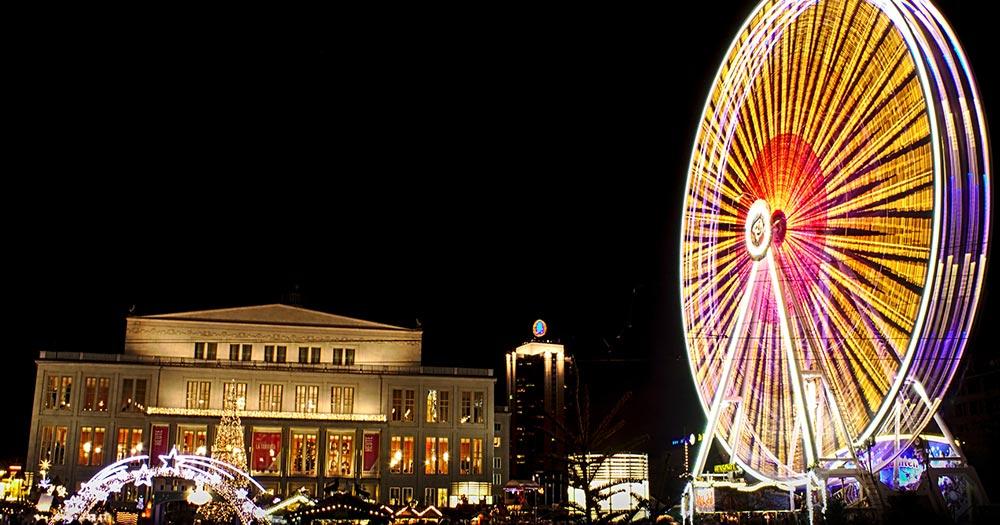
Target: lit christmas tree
(228, 447)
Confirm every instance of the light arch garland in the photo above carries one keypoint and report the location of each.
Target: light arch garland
(204, 471)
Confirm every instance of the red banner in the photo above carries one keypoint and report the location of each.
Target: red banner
(266, 455)
(369, 463)
(159, 443)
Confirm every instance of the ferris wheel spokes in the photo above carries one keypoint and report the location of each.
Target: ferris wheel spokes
(727, 367)
(794, 372)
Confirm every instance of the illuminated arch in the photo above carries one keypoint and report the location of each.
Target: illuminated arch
(204, 471)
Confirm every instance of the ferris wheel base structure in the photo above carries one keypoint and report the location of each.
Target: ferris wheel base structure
(834, 239)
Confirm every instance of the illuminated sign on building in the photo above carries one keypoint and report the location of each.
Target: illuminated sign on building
(539, 328)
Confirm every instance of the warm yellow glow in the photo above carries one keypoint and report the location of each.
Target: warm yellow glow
(266, 414)
(839, 143)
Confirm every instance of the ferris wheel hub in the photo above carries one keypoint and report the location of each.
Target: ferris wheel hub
(757, 234)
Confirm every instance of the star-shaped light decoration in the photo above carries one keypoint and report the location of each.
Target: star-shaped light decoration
(44, 465)
(144, 476)
(45, 483)
(241, 493)
(61, 491)
(169, 459)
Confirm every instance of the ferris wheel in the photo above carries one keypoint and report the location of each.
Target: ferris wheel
(834, 232)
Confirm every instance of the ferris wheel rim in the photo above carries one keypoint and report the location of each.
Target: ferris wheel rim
(891, 9)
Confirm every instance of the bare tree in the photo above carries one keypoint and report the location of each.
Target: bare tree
(587, 449)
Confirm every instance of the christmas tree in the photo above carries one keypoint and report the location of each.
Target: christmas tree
(228, 447)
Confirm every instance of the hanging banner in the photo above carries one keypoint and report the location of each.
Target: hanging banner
(704, 499)
(159, 442)
(369, 461)
(266, 458)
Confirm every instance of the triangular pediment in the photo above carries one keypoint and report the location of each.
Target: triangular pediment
(275, 314)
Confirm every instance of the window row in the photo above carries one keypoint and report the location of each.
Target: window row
(437, 457)
(437, 406)
(271, 397)
(58, 394)
(274, 353)
(90, 445)
(341, 455)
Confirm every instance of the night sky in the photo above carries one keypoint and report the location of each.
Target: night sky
(470, 170)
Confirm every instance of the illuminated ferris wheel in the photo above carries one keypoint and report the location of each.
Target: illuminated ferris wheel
(834, 232)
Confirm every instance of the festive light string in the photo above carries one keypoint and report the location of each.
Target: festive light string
(201, 470)
(266, 414)
(858, 123)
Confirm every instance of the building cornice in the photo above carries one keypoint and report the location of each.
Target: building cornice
(266, 414)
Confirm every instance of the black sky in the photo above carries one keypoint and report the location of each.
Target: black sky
(473, 170)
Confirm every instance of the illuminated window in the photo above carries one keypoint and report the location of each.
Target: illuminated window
(407, 495)
(304, 452)
(198, 393)
(429, 496)
(53, 444)
(340, 453)
(436, 455)
(192, 439)
(129, 443)
(477, 456)
(306, 398)
(95, 394)
(472, 456)
(496, 441)
(342, 399)
(473, 407)
(91, 451)
(437, 406)
(133, 395)
(465, 451)
(270, 397)
(234, 395)
(58, 391)
(403, 401)
(479, 407)
(401, 454)
(394, 495)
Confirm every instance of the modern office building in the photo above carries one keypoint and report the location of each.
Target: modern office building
(323, 398)
(538, 397)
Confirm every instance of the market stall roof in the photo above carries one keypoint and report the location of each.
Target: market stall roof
(342, 507)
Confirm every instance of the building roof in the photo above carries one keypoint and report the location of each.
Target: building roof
(275, 314)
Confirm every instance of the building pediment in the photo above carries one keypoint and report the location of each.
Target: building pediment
(274, 314)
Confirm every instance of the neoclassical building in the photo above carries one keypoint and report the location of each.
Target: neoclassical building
(322, 397)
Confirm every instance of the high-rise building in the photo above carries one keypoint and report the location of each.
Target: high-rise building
(536, 387)
(323, 399)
